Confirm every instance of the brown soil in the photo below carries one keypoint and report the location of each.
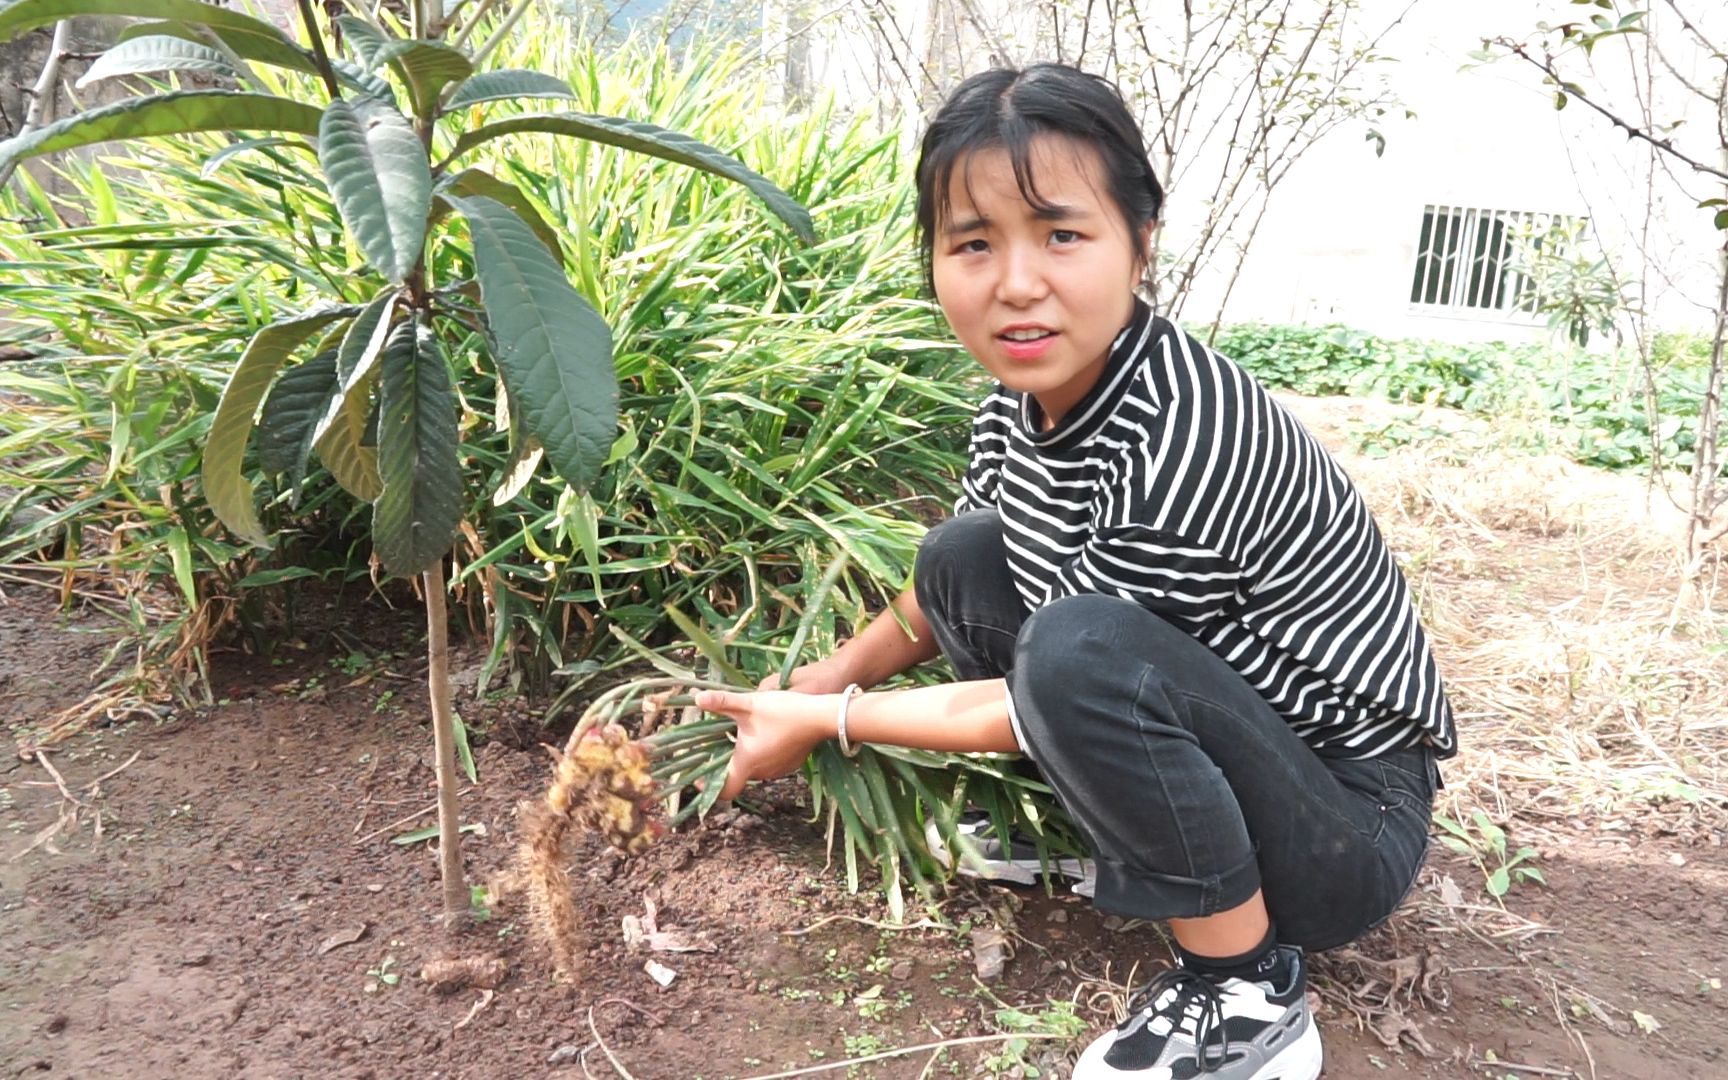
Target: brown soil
(188, 939)
(231, 904)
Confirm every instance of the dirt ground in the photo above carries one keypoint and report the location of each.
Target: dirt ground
(230, 903)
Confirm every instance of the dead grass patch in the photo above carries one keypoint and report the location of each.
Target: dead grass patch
(1587, 672)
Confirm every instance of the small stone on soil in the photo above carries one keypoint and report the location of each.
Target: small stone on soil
(346, 936)
(567, 1052)
(989, 952)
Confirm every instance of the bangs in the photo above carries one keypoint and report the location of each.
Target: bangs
(1014, 136)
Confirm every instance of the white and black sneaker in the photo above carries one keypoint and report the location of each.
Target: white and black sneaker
(1185, 1024)
(983, 855)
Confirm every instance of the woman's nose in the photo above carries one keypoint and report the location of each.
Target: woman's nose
(1022, 281)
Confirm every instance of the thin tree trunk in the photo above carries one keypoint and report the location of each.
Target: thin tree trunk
(798, 94)
(444, 745)
(1706, 484)
(1236, 270)
(1705, 461)
(42, 95)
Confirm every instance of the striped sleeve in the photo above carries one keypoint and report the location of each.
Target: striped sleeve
(980, 485)
(1163, 572)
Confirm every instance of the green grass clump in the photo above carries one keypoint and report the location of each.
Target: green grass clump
(1603, 408)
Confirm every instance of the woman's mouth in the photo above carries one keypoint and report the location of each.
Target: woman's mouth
(1027, 343)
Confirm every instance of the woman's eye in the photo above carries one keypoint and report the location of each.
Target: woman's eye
(1064, 236)
(974, 246)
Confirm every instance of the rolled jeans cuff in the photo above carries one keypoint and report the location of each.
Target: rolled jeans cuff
(1143, 894)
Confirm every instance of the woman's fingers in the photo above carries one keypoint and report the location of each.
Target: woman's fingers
(774, 734)
(735, 780)
(722, 702)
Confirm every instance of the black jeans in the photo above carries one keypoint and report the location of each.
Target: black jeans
(1190, 791)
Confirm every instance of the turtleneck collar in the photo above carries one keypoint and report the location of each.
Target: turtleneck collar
(1090, 412)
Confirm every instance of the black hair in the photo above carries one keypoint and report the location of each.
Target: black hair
(1006, 109)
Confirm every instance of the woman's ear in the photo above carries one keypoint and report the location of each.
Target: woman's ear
(1143, 265)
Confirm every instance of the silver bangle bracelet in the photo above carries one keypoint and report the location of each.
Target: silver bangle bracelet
(846, 747)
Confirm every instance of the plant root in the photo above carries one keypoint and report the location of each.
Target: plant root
(477, 972)
(601, 784)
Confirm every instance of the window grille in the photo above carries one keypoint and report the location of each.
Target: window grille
(1467, 257)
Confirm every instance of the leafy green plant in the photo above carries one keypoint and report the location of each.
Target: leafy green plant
(383, 974)
(94, 464)
(1578, 295)
(1485, 842)
(785, 404)
(1059, 1020)
(733, 343)
(376, 401)
(1327, 360)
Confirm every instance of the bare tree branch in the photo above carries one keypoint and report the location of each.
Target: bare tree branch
(1003, 54)
(1674, 72)
(1546, 66)
(880, 11)
(1709, 46)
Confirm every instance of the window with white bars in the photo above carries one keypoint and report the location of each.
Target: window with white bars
(1467, 258)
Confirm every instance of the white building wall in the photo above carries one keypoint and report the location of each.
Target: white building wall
(1340, 241)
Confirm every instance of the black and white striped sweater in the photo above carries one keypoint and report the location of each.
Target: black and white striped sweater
(1179, 483)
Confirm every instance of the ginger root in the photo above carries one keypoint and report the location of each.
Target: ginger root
(602, 785)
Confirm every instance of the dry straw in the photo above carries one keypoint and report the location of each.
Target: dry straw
(1587, 667)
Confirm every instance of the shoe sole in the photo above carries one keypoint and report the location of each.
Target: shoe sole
(1302, 1061)
(1013, 871)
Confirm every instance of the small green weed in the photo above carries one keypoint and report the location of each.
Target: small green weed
(1057, 1019)
(1379, 440)
(873, 1003)
(864, 1045)
(385, 974)
(479, 903)
(352, 664)
(1485, 842)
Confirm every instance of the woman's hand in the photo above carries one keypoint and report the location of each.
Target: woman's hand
(817, 677)
(777, 729)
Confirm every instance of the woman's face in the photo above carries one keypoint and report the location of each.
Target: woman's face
(1037, 296)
